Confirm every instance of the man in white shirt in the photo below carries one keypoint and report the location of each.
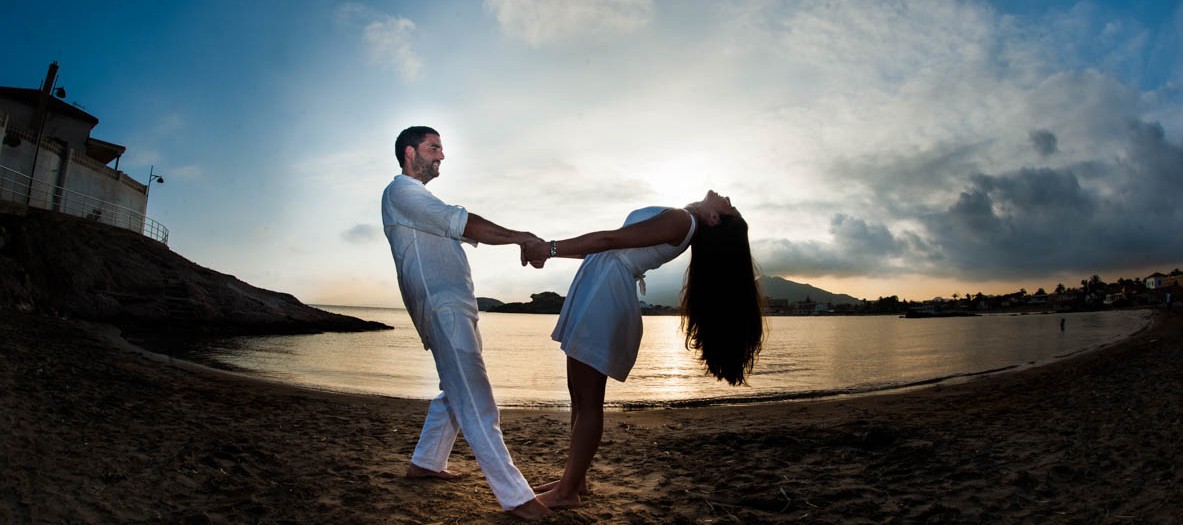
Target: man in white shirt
(436, 285)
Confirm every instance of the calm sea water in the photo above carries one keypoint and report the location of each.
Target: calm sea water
(803, 357)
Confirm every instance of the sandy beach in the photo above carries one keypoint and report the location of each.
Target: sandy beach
(95, 431)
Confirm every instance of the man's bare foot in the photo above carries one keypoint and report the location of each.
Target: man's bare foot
(416, 472)
(532, 510)
(553, 500)
(584, 489)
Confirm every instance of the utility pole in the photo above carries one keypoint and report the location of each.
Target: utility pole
(40, 116)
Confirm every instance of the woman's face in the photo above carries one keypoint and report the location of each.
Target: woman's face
(715, 205)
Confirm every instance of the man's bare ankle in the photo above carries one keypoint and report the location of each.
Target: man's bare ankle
(416, 472)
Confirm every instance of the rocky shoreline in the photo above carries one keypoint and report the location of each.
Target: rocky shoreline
(69, 267)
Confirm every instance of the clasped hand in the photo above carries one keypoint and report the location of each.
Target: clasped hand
(535, 252)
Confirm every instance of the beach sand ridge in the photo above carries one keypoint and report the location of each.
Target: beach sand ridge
(94, 433)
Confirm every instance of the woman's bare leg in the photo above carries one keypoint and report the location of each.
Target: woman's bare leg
(586, 386)
(584, 490)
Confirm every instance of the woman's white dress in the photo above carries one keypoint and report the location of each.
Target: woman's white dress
(600, 323)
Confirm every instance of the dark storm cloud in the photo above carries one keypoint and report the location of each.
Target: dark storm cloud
(1030, 221)
(1036, 221)
(1108, 214)
(858, 248)
(896, 186)
(1043, 141)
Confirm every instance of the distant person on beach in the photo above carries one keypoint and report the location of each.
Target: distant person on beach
(436, 285)
(1062, 321)
(599, 326)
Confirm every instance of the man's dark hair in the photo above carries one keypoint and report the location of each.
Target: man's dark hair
(412, 136)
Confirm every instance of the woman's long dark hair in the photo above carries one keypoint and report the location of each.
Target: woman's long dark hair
(722, 306)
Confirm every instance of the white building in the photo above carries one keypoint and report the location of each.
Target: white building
(1153, 281)
(49, 160)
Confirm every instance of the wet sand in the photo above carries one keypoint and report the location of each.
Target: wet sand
(92, 430)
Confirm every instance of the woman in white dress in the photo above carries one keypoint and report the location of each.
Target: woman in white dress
(599, 326)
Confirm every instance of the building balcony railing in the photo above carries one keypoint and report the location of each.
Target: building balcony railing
(22, 189)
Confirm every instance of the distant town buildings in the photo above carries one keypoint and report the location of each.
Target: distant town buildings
(1158, 280)
(1155, 290)
(806, 306)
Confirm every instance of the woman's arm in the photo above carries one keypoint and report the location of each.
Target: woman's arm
(668, 227)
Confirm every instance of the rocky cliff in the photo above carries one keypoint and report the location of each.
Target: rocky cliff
(540, 303)
(61, 265)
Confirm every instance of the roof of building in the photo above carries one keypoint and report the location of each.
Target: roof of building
(103, 151)
(30, 97)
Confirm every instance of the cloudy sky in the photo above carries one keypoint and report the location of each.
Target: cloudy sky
(911, 148)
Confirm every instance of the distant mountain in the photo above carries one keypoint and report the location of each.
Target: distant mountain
(778, 288)
(774, 287)
(664, 289)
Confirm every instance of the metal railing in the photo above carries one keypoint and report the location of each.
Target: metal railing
(22, 189)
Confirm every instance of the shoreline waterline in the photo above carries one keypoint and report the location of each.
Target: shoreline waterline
(529, 375)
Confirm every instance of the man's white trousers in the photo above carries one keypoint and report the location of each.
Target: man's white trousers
(466, 404)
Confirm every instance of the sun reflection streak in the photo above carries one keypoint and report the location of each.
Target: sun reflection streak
(665, 368)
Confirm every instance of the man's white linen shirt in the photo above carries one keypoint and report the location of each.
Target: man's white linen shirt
(425, 235)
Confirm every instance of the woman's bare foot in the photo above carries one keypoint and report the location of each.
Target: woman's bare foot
(584, 489)
(532, 510)
(554, 501)
(416, 472)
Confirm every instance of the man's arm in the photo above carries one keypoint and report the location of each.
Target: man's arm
(407, 203)
(481, 230)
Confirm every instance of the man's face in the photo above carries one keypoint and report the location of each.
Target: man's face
(428, 156)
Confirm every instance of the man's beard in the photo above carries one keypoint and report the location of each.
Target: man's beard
(426, 168)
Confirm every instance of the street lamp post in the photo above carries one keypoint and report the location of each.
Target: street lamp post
(152, 176)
